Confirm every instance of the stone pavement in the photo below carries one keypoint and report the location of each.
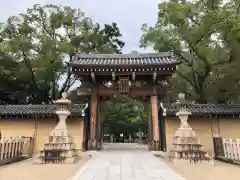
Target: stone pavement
(125, 165)
(124, 146)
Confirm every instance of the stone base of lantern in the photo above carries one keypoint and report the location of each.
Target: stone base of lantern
(186, 148)
(60, 148)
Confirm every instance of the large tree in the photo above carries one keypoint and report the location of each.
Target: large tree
(48, 36)
(225, 80)
(224, 84)
(199, 34)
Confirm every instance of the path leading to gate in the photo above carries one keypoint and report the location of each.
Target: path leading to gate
(125, 165)
(124, 147)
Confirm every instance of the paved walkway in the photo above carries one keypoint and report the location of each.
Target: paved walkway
(125, 165)
(124, 146)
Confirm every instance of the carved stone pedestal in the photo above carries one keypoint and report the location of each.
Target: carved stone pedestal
(188, 149)
(60, 147)
(186, 146)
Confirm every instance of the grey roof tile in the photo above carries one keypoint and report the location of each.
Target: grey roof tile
(37, 109)
(45, 110)
(124, 59)
(206, 109)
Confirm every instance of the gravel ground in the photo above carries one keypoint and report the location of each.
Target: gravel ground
(28, 170)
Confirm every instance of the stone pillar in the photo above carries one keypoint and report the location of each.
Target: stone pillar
(60, 147)
(154, 110)
(186, 145)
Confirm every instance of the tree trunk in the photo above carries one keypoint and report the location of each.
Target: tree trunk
(201, 99)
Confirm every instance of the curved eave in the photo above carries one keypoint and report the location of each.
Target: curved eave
(76, 65)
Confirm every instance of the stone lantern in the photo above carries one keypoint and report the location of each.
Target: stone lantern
(62, 112)
(60, 147)
(185, 145)
(183, 114)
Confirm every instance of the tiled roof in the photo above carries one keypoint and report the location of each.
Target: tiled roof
(206, 109)
(44, 110)
(131, 59)
(78, 110)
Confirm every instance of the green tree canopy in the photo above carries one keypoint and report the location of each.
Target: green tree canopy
(202, 34)
(47, 37)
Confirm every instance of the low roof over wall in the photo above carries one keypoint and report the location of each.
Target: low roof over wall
(207, 109)
(38, 110)
(79, 110)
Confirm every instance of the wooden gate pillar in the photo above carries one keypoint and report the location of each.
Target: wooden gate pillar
(99, 126)
(154, 111)
(92, 143)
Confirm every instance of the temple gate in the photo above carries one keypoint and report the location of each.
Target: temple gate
(143, 75)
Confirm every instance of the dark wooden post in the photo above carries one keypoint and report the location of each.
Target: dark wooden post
(86, 130)
(98, 128)
(162, 129)
(92, 143)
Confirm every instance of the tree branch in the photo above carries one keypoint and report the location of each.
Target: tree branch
(186, 78)
(29, 67)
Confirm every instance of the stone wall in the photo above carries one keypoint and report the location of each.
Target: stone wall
(205, 128)
(42, 127)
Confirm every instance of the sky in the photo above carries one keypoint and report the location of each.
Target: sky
(128, 14)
